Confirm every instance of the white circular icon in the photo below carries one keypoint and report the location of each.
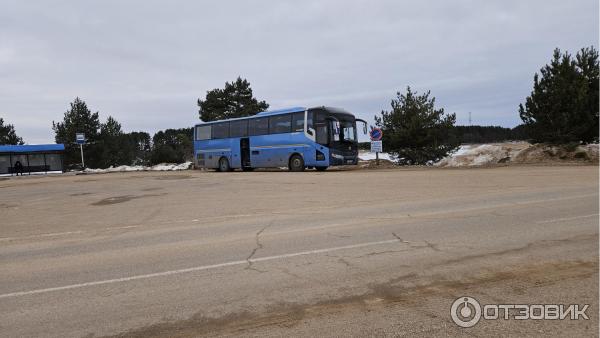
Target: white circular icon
(465, 311)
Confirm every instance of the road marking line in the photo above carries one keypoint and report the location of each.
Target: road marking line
(566, 218)
(194, 269)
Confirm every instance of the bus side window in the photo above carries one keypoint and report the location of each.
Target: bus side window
(258, 126)
(309, 120)
(279, 124)
(238, 128)
(220, 130)
(321, 127)
(202, 133)
(298, 122)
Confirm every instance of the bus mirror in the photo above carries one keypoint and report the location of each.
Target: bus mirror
(364, 125)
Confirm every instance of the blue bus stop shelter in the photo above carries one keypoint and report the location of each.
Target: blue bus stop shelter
(35, 158)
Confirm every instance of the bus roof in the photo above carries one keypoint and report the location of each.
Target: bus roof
(278, 112)
(264, 113)
(282, 111)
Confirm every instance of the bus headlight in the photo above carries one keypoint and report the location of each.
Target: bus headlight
(320, 156)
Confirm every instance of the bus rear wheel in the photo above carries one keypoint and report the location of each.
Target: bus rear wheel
(224, 165)
(321, 168)
(296, 163)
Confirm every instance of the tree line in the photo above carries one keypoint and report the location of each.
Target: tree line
(107, 145)
(561, 109)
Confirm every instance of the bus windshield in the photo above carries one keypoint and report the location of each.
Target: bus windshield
(348, 132)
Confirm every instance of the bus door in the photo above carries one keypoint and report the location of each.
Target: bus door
(245, 152)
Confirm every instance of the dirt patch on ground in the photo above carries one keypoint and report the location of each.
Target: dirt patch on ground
(408, 289)
(8, 206)
(122, 199)
(372, 164)
(87, 180)
(80, 194)
(173, 177)
(152, 189)
(545, 153)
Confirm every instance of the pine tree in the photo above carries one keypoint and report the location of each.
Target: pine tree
(115, 149)
(172, 146)
(140, 146)
(563, 106)
(415, 131)
(235, 100)
(8, 134)
(79, 119)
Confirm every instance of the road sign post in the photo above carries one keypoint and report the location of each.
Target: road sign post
(81, 150)
(80, 139)
(376, 135)
(376, 147)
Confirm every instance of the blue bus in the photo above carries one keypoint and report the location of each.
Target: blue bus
(296, 138)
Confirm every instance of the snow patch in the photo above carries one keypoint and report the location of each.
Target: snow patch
(367, 156)
(126, 168)
(517, 152)
(483, 154)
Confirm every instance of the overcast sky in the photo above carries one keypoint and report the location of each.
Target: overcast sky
(147, 62)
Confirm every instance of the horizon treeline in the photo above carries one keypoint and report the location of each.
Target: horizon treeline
(561, 109)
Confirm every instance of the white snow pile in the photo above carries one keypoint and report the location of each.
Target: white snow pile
(368, 156)
(482, 154)
(518, 152)
(158, 167)
(469, 155)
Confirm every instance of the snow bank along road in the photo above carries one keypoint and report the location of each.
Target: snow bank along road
(346, 253)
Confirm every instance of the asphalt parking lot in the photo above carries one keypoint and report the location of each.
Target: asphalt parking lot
(345, 253)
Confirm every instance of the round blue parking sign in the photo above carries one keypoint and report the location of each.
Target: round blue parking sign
(376, 134)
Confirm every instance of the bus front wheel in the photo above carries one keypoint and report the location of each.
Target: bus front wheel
(224, 165)
(296, 163)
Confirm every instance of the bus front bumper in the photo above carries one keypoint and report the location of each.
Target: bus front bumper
(340, 159)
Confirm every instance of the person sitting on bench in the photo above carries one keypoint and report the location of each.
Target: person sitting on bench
(18, 168)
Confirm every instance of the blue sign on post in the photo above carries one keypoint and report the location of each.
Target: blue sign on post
(80, 138)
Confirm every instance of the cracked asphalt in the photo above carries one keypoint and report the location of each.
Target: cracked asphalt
(337, 253)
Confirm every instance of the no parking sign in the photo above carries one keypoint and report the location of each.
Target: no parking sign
(376, 134)
(376, 145)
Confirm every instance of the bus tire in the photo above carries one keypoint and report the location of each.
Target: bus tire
(224, 164)
(321, 168)
(296, 163)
